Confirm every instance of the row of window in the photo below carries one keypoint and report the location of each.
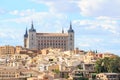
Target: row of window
(52, 37)
(7, 51)
(7, 75)
(52, 41)
(51, 44)
(43, 47)
(112, 76)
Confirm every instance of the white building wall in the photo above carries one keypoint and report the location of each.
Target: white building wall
(32, 40)
(71, 41)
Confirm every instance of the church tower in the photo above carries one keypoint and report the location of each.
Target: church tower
(70, 38)
(25, 38)
(32, 38)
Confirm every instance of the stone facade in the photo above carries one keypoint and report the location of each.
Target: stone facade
(39, 41)
(7, 50)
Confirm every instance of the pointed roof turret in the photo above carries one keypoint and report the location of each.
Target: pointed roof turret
(70, 25)
(26, 33)
(70, 29)
(62, 30)
(32, 28)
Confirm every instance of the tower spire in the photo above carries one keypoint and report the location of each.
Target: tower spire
(26, 33)
(70, 25)
(70, 28)
(32, 27)
(62, 30)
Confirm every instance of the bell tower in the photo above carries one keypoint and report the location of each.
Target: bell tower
(70, 38)
(25, 38)
(32, 38)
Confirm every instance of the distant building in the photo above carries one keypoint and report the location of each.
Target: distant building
(7, 50)
(109, 55)
(13, 73)
(34, 40)
(30, 53)
(18, 49)
(90, 57)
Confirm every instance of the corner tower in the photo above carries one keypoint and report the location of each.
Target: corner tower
(70, 38)
(32, 38)
(25, 38)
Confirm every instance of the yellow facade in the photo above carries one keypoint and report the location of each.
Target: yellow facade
(53, 67)
(7, 50)
(18, 49)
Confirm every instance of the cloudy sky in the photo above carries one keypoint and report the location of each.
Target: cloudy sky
(96, 22)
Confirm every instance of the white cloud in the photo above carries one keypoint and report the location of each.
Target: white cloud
(50, 21)
(115, 41)
(87, 6)
(61, 6)
(84, 45)
(23, 12)
(100, 8)
(87, 43)
(93, 8)
(106, 23)
(43, 22)
(15, 12)
(2, 11)
(26, 19)
(2, 35)
(10, 35)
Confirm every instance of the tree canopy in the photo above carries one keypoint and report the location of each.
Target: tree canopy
(108, 65)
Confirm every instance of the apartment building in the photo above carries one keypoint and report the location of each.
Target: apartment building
(7, 50)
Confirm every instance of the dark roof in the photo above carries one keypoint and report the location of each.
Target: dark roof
(26, 33)
(70, 29)
(32, 28)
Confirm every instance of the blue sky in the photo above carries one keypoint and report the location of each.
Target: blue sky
(95, 22)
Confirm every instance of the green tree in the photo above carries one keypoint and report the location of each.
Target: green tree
(93, 76)
(98, 66)
(56, 71)
(116, 67)
(108, 65)
(80, 66)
